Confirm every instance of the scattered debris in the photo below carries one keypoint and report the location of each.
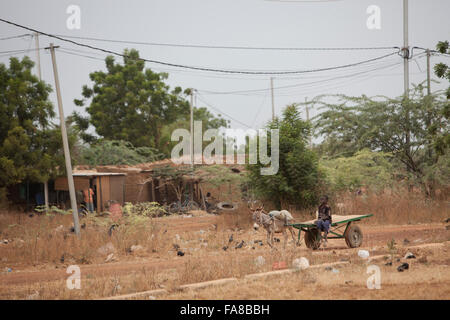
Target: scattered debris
(176, 247)
(59, 228)
(135, 248)
(300, 263)
(230, 239)
(187, 216)
(83, 226)
(6, 241)
(279, 265)
(225, 248)
(388, 263)
(106, 249)
(276, 239)
(348, 282)
(363, 254)
(31, 215)
(402, 267)
(62, 258)
(235, 170)
(180, 253)
(151, 298)
(177, 237)
(447, 220)
(110, 258)
(328, 268)
(8, 269)
(406, 242)
(240, 245)
(260, 261)
(335, 270)
(409, 255)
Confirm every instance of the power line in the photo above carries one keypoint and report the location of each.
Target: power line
(193, 67)
(198, 46)
(16, 37)
(220, 111)
(295, 85)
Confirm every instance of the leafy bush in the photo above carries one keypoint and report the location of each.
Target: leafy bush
(112, 152)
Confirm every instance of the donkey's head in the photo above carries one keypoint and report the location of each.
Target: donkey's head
(256, 215)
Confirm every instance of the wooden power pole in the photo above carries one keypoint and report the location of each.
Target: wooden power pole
(273, 99)
(38, 66)
(70, 182)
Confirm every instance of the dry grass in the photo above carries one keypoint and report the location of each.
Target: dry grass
(37, 244)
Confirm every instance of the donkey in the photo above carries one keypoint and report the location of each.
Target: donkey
(273, 224)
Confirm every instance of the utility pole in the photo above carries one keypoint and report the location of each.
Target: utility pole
(307, 119)
(192, 128)
(273, 101)
(38, 56)
(430, 152)
(38, 66)
(428, 73)
(406, 74)
(70, 182)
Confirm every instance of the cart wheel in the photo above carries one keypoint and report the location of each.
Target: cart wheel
(312, 238)
(353, 236)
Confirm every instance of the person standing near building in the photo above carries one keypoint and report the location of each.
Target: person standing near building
(89, 199)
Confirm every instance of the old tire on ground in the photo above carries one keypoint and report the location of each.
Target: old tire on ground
(312, 238)
(353, 236)
(227, 206)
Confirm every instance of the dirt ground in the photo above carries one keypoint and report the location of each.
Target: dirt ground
(202, 239)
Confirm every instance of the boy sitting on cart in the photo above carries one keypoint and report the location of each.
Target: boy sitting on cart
(324, 218)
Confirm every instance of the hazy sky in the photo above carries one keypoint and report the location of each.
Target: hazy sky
(256, 23)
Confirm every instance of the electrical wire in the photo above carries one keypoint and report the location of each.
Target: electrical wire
(194, 67)
(197, 46)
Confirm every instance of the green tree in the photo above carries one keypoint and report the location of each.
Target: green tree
(298, 178)
(366, 168)
(379, 124)
(130, 103)
(442, 141)
(441, 69)
(209, 121)
(27, 137)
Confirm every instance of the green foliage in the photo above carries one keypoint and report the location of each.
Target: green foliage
(298, 178)
(380, 124)
(372, 170)
(145, 209)
(105, 152)
(28, 140)
(131, 103)
(209, 121)
(441, 69)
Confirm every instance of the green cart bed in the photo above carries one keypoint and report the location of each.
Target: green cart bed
(352, 233)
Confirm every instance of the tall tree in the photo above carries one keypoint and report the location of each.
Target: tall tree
(26, 131)
(297, 179)
(130, 103)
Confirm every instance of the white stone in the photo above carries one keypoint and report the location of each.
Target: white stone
(260, 261)
(300, 263)
(363, 254)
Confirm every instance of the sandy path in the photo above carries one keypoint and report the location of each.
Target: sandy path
(373, 236)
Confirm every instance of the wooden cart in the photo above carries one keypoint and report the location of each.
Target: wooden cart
(352, 233)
